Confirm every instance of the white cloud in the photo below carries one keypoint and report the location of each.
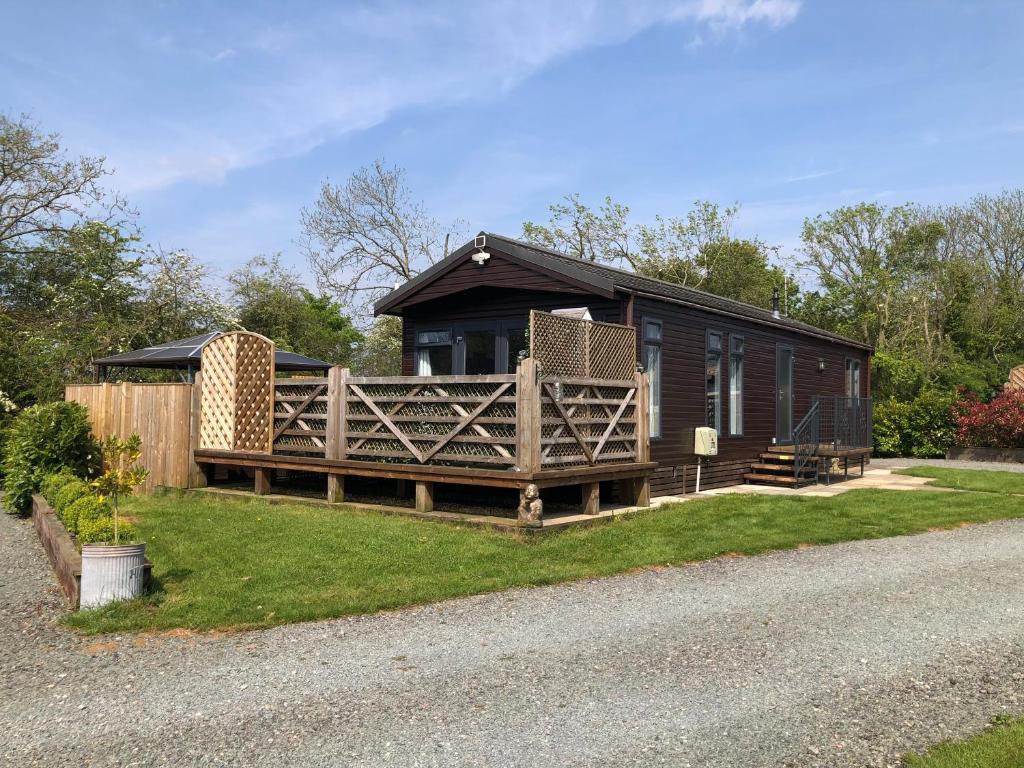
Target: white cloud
(288, 89)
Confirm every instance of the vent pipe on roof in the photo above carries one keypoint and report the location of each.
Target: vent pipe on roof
(775, 301)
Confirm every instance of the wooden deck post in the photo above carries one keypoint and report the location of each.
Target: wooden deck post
(335, 489)
(528, 423)
(424, 496)
(642, 485)
(261, 486)
(591, 498)
(335, 442)
(197, 477)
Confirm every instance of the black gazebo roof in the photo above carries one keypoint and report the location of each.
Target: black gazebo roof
(188, 353)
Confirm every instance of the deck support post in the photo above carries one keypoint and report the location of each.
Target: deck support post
(591, 498)
(424, 496)
(261, 486)
(197, 476)
(335, 489)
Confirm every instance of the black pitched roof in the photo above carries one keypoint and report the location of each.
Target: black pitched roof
(184, 352)
(604, 280)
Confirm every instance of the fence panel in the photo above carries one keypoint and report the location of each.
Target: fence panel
(568, 346)
(159, 413)
(588, 421)
(238, 393)
(440, 420)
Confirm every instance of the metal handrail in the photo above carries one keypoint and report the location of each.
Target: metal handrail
(846, 421)
(806, 437)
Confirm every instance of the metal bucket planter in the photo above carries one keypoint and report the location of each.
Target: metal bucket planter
(111, 573)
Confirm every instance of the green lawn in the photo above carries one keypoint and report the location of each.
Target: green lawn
(970, 479)
(223, 563)
(1001, 746)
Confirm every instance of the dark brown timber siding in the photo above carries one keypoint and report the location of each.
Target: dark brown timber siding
(684, 332)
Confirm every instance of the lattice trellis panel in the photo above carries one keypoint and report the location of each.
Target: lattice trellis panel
(238, 393)
(446, 421)
(568, 346)
(584, 423)
(1016, 382)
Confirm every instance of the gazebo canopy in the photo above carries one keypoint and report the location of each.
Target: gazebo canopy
(188, 354)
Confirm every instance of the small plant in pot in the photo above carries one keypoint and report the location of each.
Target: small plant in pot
(111, 561)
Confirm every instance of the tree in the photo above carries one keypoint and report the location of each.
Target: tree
(380, 354)
(604, 235)
(43, 193)
(271, 299)
(367, 236)
(177, 299)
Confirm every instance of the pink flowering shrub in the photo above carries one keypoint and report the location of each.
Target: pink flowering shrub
(997, 424)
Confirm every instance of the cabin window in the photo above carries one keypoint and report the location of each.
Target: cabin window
(713, 380)
(652, 364)
(735, 386)
(517, 342)
(852, 377)
(434, 353)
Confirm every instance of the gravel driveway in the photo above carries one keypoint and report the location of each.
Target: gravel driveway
(834, 656)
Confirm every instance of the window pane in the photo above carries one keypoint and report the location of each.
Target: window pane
(714, 391)
(737, 345)
(652, 363)
(516, 344)
(434, 361)
(434, 337)
(652, 331)
(736, 395)
(714, 342)
(480, 352)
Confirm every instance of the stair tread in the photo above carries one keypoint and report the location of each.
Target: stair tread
(780, 467)
(779, 479)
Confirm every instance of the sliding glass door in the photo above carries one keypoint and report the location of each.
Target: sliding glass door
(473, 349)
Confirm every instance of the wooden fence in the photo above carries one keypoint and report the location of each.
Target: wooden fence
(504, 421)
(160, 413)
(1016, 380)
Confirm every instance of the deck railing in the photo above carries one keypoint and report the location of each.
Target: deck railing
(519, 421)
(845, 421)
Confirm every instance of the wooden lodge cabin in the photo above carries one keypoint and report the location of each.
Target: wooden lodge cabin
(751, 374)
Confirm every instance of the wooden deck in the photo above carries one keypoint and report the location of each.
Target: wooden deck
(525, 430)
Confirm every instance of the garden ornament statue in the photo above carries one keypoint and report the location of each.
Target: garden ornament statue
(531, 508)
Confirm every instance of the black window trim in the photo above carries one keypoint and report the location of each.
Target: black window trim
(659, 342)
(743, 388)
(721, 354)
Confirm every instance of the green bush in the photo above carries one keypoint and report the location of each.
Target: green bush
(51, 484)
(43, 439)
(68, 494)
(101, 531)
(922, 428)
(85, 510)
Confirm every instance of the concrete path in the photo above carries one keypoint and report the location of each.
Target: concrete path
(873, 478)
(837, 656)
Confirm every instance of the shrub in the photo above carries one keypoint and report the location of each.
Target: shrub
(997, 424)
(51, 484)
(43, 439)
(101, 531)
(922, 427)
(68, 494)
(86, 509)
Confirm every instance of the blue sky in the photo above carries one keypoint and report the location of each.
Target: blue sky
(222, 119)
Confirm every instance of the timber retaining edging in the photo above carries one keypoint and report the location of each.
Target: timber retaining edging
(64, 557)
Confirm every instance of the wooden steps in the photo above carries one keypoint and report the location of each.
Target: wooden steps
(776, 468)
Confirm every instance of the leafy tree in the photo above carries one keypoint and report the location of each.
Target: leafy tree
(271, 299)
(177, 299)
(603, 235)
(380, 354)
(366, 236)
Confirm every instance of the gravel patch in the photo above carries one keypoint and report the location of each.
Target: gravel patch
(999, 466)
(834, 656)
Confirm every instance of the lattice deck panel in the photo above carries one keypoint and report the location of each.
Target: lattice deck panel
(237, 393)
(570, 347)
(585, 423)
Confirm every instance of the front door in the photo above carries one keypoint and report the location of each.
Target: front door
(784, 394)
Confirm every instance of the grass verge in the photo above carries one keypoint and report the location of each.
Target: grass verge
(222, 563)
(1001, 746)
(988, 481)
